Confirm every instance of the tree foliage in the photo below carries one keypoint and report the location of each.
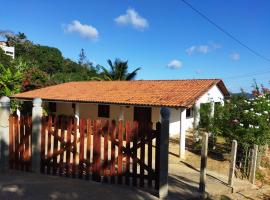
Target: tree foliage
(118, 71)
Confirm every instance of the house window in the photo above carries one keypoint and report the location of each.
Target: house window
(52, 107)
(104, 111)
(189, 112)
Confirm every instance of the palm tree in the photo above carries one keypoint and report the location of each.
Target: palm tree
(118, 71)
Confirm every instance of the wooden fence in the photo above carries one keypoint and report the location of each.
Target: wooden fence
(20, 130)
(101, 150)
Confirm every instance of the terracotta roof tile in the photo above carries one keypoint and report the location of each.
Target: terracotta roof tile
(172, 93)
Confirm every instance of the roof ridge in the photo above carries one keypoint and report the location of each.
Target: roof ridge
(152, 80)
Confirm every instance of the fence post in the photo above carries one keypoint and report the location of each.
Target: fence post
(204, 152)
(164, 153)
(252, 176)
(232, 164)
(36, 134)
(4, 132)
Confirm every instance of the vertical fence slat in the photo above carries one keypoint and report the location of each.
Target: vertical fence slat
(134, 155)
(105, 163)
(62, 126)
(120, 154)
(127, 169)
(142, 153)
(96, 151)
(11, 142)
(157, 160)
(69, 146)
(88, 151)
(16, 138)
(55, 144)
(112, 138)
(81, 154)
(49, 146)
(28, 142)
(21, 142)
(149, 141)
(74, 152)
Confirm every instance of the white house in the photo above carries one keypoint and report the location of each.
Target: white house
(8, 50)
(132, 100)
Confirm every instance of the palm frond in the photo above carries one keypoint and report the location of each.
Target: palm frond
(132, 75)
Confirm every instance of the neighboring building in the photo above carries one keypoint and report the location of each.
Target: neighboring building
(8, 50)
(132, 100)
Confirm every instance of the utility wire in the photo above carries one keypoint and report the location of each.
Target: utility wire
(225, 32)
(247, 75)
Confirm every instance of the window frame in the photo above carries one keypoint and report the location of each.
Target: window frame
(191, 112)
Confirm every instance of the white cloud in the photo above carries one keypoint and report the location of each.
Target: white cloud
(203, 48)
(199, 71)
(84, 30)
(131, 17)
(235, 56)
(174, 64)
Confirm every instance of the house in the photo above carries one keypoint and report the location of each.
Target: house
(132, 100)
(10, 51)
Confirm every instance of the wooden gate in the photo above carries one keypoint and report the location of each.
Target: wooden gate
(102, 150)
(20, 130)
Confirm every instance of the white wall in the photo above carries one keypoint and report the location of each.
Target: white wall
(8, 50)
(89, 110)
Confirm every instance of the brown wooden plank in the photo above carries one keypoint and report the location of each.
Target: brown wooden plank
(11, 142)
(105, 163)
(157, 160)
(21, 142)
(28, 142)
(127, 169)
(134, 155)
(49, 146)
(74, 152)
(81, 153)
(69, 129)
(63, 126)
(142, 152)
(16, 138)
(43, 137)
(120, 154)
(94, 171)
(112, 132)
(98, 149)
(55, 144)
(88, 149)
(150, 146)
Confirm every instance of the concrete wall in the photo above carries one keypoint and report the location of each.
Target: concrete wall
(89, 110)
(8, 50)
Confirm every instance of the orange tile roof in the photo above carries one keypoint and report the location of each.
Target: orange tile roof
(171, 93)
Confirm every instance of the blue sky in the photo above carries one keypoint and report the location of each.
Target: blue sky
(166, 38)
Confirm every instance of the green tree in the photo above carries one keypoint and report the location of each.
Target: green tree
(34, 78)
(118, 71)
(82, 57)
(10, 81)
